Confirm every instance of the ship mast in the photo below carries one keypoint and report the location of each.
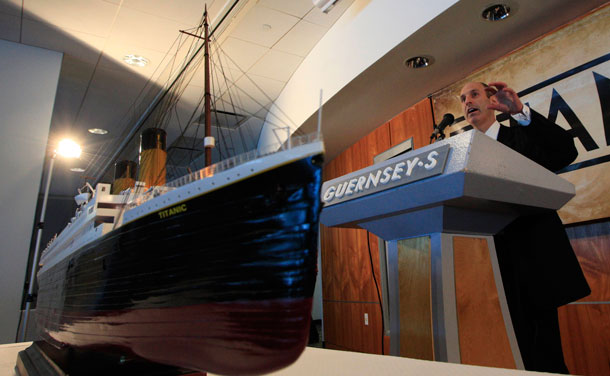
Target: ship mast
(208, 141)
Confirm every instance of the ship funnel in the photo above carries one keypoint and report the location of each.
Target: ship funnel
(152, 157)
(124, 176)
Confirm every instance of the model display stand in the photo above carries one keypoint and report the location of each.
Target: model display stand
(437, 209)
(42, 359)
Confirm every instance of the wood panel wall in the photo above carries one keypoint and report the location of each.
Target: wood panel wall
(415, 298)
(348, 288)
(482, 333)
(585, 324)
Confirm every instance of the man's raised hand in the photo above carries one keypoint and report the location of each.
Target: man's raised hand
(503, 98)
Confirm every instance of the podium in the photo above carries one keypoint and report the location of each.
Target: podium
(436, 210)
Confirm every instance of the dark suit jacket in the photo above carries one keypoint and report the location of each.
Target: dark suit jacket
(535, 254)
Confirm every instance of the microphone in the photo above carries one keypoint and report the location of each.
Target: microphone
(438, 129)
(447, 121)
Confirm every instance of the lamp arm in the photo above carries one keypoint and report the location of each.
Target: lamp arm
(40, 225)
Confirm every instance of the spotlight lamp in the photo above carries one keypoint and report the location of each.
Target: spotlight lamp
(68, 149)
(496, 12)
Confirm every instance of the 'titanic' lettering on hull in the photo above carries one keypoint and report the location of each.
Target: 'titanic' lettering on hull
(388, 174)
(172, 211)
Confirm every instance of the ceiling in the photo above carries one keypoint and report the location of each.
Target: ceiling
(267, 39)
(264, 39)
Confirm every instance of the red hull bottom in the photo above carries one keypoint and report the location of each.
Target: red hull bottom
(226, 338)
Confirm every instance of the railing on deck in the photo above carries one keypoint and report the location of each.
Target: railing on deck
(241, 159)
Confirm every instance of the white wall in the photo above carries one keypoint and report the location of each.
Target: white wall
(28, 81)
(363, 34)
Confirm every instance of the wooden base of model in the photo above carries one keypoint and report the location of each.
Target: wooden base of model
(42, 359)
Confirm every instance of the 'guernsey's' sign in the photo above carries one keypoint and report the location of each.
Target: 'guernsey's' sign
(389, 174)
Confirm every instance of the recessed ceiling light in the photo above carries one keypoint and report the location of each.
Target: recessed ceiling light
(419, 62)
(97, 131)
(325, 5)
(496, 12)
(77, 169)
(139, 61)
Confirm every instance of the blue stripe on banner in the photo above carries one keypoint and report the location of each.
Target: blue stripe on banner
(566, 74)
(583, 164)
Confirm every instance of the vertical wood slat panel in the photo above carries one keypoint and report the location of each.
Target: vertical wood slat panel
(346, 270)
(414, 286)
(344, 326)
(359, 155)
(591, 244)
(585, 328)
(416, 122)
(482, 333)
(332, 346)
(346, 265)
(585, 338)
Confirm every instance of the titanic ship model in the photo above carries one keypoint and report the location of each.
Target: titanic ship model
(212, 271)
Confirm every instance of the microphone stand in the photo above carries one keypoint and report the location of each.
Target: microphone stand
(436, 135)
(439, 130)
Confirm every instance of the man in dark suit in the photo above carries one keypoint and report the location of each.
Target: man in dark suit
(539, 269)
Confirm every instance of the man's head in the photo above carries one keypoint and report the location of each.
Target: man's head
(475, 99)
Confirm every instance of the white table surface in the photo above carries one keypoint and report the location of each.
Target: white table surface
(8, 357)
(324, 362)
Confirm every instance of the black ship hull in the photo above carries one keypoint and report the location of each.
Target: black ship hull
(220, 282)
